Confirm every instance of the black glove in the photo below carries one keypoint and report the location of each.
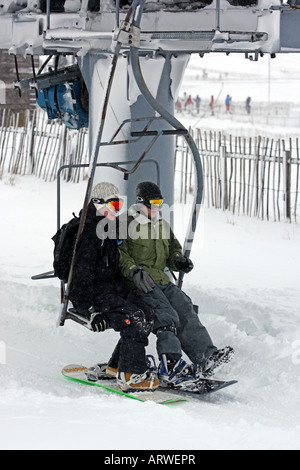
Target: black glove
(182, 263)
(97, 320)
(142, 279)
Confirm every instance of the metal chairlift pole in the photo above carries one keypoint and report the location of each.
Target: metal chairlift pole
(48, 13)
(136, 69)
(94, 158)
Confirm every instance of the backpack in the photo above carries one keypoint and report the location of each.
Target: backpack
(64, 242)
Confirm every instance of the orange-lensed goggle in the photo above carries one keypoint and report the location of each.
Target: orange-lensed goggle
(150, 202)
(154, 202)
(113, 204)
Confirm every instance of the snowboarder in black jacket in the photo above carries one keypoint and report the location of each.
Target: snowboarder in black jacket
(98, 291)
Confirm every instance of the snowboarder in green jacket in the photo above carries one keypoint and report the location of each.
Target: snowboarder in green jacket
(149, 247)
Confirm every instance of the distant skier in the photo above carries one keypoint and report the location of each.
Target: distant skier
(98, 291)
(189, 105)
(149, 247)
(227, 103)
(178, 106)
(198, 102)
(184, 100)
(212, 105)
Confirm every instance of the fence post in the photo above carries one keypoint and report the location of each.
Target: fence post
(287, 184)
(224, 189)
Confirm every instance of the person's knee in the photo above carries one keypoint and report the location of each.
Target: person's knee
(138, 324)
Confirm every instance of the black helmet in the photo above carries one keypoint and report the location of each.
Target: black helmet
(146, 191)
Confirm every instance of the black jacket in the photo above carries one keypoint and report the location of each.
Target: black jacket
(96, 268)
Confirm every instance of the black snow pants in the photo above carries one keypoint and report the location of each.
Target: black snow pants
(176, 324)
(134, 326)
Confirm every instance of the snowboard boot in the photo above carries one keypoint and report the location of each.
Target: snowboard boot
(111, 372)
(217, 359)
(129, 382)
(177, 374)
(98, 372)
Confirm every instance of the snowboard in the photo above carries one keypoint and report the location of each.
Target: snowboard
(77, 373)
(201, 388)
(163, 395)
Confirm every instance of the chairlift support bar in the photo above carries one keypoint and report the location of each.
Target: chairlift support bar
(136, 69)
(94, 157)
(164, 132)
(114, 165)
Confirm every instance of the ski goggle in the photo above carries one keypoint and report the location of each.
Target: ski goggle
(114, 204)
(154, 202)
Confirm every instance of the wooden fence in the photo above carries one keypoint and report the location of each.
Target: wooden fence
(34, 145)
(247, 176)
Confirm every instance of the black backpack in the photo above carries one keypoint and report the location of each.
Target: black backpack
(64, 242)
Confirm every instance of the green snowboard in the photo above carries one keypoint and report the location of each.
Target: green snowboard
(77, 373)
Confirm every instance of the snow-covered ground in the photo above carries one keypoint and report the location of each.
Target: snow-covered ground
(272, 84)
(246, 283)
(275, 79)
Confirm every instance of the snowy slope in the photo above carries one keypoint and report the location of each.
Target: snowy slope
(217, 74)
(246, 283)
(272, 84)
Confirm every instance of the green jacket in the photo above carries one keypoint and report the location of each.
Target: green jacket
(146, 243)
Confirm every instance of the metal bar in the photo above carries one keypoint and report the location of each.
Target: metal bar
(136, 69)
(114, 165)
(84, 322)
(217, 15)
(18, 75)
(166, 132)
(46, 275)
(48, 14)
(48, 79)
(117, 13)
(94, 157)
(127, 121)
(34, 76)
